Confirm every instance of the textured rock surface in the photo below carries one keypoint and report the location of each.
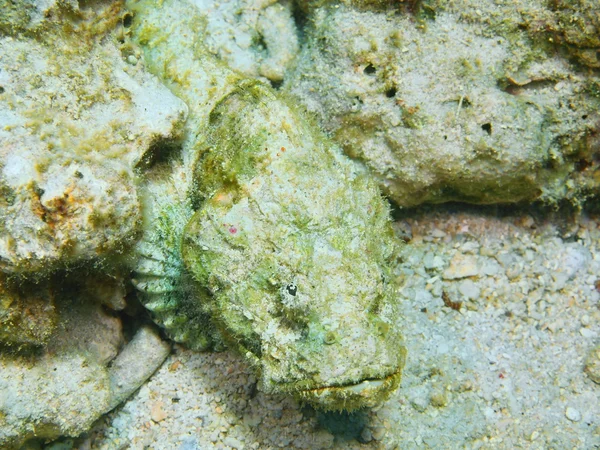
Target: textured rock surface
(569, 26)
(27, 313)
(255, 37)
(75, 118)
(31, 16)
(81, 373)
(452, 102)
(77, 114)
(50, 396)
(63, 388)
(136, 363)
(476, 101)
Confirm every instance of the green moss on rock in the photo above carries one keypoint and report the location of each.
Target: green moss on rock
(28, 315)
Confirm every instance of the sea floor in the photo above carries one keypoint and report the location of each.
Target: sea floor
(500, 311)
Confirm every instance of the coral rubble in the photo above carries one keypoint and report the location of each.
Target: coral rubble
(76, 119)
(446, 102)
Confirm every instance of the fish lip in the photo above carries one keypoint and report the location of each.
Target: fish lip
(357, 387)
(366, 393)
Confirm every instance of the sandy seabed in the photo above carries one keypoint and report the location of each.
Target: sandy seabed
(500, 312)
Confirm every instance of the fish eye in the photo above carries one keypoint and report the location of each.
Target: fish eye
(291, 289)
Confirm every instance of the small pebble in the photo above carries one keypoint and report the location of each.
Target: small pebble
(437, 233)
(490, 267)
(592, 364)
(366, 435)
(233, 442)
(378, 433)
(534, 436)
(461, 266)
(174, 366)
(157, 414)
(513, 272)
(585, 320)
(586, 333)
(419, 403)
(439, 399)
(572, 414)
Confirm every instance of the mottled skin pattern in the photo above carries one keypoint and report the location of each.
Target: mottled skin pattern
(281, 249)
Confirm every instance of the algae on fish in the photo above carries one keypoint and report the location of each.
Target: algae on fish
(288, 248)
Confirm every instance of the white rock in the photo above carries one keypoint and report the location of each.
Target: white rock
(572, 414)
(76, 120)
(461, 266)
(469, 289)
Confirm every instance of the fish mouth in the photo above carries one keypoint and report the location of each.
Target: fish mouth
(366, 393)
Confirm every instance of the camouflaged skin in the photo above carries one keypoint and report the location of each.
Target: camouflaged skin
(275, 244)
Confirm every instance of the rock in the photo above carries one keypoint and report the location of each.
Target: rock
(109, 291)
(439, 399)
(461, 123)
(432, 261)
(575, 258)
(27, 313)
(366, 435)
(592, 364)
(490, 267)
(233, 442)
(255, 37)
(469, 289)
(461, 266)
(402, 230)
(587, 333)
(50, 395)
(157, 413)
(419, 399)
(136, 363)
(62, 388)
(572, 414)
(25, 16)
(88, 328)
(75, 119)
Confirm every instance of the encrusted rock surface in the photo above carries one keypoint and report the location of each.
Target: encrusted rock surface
(482, 102)
(27, 313)
(82, 372)
(256, 38)
(449, 102)
(62, 388)
(75, 120)
(568, 26)
(50, 396)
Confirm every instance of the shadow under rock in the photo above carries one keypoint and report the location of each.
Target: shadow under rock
(344, 426)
